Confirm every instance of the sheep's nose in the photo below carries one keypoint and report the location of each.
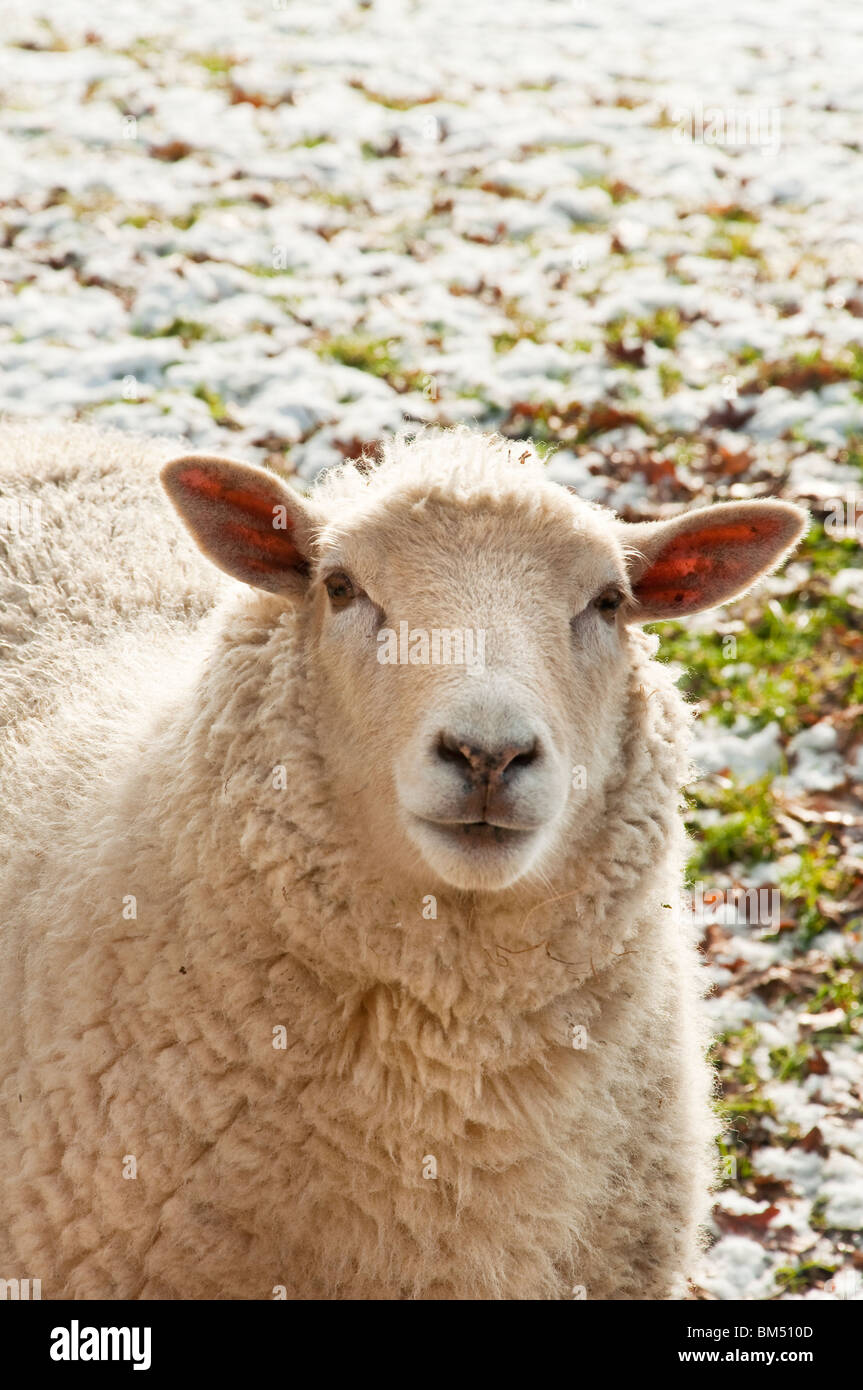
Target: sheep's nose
(485, 764)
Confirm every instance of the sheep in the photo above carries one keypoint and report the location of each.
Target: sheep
(330, 970)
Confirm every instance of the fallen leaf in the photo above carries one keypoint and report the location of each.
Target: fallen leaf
(171, 151)
(813, 1142)
(817, 1065)
(744, 1221)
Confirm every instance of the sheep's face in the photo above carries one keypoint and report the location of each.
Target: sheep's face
(473, 678)
(466, 642)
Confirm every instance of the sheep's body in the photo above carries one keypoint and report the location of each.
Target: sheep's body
(144, 736)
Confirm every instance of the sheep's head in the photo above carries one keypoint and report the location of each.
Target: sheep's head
(466, 625)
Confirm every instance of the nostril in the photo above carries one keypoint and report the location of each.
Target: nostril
(487, 764)
(454, 750)
(521, 759)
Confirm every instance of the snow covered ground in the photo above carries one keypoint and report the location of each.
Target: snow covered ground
(633, 231)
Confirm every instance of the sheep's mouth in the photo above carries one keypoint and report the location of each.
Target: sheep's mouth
(476, 854)
(478, 832)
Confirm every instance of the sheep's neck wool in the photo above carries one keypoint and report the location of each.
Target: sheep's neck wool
(311, 1053)
(370, 1037)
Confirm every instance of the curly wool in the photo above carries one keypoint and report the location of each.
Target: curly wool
(424, 1126)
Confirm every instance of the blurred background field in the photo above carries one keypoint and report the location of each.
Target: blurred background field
(631, 232)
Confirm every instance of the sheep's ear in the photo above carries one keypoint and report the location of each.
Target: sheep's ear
(706, 557)
(245, 520)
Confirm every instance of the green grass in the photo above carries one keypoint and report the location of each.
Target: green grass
(189, 330)
(745, 1040)
(662, 328)
(790, 1063)
(391, 103)
(617, 190)
(377, 356)
(830, 553)
(670, 378)
(740, 1165)
(731, 244)
(802, 656)
(182, 220)
(843, 990)
(743, 1105)
(373, 355)
(736, 214)
(216, 405)
(747, 355)
(816, 876)
(799, 1278)
(521, 327)
(808, 370)
(216, 63)
(746, 834)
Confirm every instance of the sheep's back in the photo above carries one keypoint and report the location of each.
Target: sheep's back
(90, 554)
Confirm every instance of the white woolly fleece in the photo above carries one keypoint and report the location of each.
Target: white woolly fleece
(143, 697)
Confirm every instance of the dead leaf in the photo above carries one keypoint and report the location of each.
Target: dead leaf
(171, 151)
(768, 1188)
(813, 1142)
(817, 1065)
(745, 1220)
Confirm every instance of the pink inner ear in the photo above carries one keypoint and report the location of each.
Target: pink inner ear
(693, 565)
(245, 519)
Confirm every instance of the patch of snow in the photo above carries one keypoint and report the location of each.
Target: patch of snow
(816, 765)
(739, 1268)
(749, 757)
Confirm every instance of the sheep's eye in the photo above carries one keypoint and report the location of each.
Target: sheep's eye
(340, 588)
(609, 601)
